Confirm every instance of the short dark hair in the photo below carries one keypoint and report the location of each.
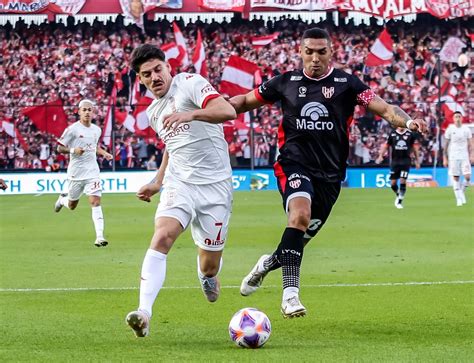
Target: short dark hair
(457, 112)
(316, 33)
(143, 53)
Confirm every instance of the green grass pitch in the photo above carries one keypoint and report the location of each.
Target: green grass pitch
(356, 279)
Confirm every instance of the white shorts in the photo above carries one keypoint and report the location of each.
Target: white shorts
(87, 186)
(459, 167)
(208, 207)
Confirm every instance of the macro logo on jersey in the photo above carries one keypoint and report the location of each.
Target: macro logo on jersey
(327, 91)
(311, 115)
(401, 145)
(179, 130)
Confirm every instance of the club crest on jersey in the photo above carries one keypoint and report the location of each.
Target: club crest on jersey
(327, 91)
(302, 91)
(295, 183)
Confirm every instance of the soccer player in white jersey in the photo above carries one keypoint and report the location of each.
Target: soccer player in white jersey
(80, 141)
(456, 155)
(195, 173)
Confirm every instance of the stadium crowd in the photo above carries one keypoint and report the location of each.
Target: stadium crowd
(39, 64)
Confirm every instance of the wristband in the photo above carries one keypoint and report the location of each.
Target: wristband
(408, 123)
(71, 150)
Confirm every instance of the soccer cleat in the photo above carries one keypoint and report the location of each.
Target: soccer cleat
(292, 308)
(58, 206)
(459, 202)
(211, 287)
(398, 203)
(463, 198)
(139, 321)
(101, 242)
(254, 279)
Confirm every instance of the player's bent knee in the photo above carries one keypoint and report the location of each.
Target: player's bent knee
(299, 219)
(162, 241)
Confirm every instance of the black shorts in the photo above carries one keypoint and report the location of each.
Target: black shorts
(294, 181)
(398, 171)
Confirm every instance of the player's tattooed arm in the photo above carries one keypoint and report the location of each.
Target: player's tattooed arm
(73, 150)
(395, 115)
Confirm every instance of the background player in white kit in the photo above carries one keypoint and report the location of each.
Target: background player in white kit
(456, 155)
(195, 172)
(80, 141)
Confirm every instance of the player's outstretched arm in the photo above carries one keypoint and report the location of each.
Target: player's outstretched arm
(104, 153)
(445, 153)
(216, 111)
(3, 185)
(396, 116)
(247, 102)
(148, 190)
(382, 152)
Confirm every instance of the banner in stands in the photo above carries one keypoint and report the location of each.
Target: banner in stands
(222, 5)
(295, 5)
(242, 180)
(134, 9)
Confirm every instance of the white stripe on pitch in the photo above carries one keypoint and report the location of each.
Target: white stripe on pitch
(369, 284)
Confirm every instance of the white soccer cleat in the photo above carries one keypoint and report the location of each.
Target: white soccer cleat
(254, 279)
(292, 308)
(101, 242)
(139, 321)
(459, 202)
(58, 206)
(211, 287)
(398, 203)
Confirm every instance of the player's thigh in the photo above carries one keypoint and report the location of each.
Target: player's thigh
(93, 188)
(75, 189)
(325, 196)
(395, 171)
(213, 208)
(176, 201)
(466, 167)
(293, 182)
(455, 167)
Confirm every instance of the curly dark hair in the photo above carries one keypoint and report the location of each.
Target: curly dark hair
(143, 53)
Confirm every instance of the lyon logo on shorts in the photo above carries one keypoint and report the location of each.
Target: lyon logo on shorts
(295, 183)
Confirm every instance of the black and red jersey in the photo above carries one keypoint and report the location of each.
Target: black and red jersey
(316, 115)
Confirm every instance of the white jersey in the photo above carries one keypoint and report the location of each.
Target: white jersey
(459, 140)
(198, 152)
(83, 166)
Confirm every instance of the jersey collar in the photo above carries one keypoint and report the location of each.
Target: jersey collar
(330, 69)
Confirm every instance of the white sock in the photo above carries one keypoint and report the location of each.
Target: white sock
(289, 292)
(152, 278)
(64, 201)
(465, 184)
(98, 219)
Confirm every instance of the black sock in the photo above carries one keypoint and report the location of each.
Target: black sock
(403, 189)
(272, 263)
(395, 188)
(290, 255)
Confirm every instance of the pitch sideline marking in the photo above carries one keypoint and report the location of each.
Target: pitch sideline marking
(375, 284)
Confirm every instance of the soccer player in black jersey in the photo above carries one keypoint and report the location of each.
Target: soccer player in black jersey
(401, 142)
(317, 102)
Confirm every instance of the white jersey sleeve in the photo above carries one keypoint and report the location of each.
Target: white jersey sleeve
(200, 91)
(67, 137)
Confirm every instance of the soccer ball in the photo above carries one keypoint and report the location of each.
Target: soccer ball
(249, 328)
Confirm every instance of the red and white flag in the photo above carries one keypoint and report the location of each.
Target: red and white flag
(199, 56)
(238, 76)
(381, 52)
(174, 55)
(259, 42)
(142, 123)
(181, 42)
(13, 132)
(49, 117)
(126, 120)
(107, 132)
(451, 50)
